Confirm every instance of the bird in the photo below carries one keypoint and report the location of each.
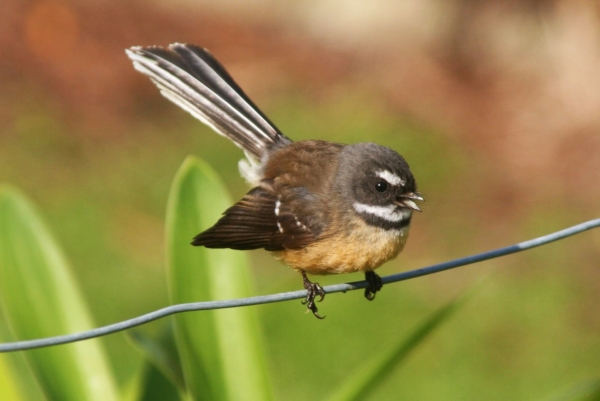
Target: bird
(320, 207)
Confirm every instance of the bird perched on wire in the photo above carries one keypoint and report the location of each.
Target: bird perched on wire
(320, 207)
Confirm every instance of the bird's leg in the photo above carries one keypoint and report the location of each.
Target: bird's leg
(313, 290)
(375, 285)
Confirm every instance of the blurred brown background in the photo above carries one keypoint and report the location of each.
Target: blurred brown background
(495, 104)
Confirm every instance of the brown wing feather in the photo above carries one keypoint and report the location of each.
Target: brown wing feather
(292, 232)
(259, 220)
(249, 224)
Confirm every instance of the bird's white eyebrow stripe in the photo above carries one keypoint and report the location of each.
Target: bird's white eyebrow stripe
(390, 177)
(389, 213)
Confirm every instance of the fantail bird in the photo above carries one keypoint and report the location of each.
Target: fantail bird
(320, 207)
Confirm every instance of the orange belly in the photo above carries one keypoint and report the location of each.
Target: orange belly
(362, 249)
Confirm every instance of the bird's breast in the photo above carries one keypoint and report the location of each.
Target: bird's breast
(363, 248)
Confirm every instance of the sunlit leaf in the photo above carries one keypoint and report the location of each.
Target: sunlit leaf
(366, 379)
(9, 390)
(40, 299)
(17, 370)
(220, 350)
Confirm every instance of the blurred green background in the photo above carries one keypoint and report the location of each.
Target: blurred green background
(495, 105)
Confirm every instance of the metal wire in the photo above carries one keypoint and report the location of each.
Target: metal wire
(286, 296)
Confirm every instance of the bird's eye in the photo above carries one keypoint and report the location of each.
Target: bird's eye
(381, 186)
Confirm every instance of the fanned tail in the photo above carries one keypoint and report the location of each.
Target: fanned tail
(193, 79)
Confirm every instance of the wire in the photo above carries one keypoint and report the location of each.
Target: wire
(286, 296)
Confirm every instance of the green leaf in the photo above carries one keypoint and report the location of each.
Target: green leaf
(161, 353)
(588, 390)
(9, 390)
(220, 350)
(40, 298)
(149, 383)
(17, 370)
(370, 375)
(158, 387)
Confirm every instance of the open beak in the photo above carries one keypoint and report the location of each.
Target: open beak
(408, 200)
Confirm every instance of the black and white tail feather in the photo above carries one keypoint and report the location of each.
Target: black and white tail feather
(193, 79)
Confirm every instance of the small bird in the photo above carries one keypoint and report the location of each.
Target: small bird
(319, 207)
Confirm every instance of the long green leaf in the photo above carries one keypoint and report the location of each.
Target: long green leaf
(155, 386)
(588, 390)
(40, 299)
(158, 387)
(17, 370)
(9, 389)
(149, 382)
(161, 353)
(220, 350)
(368, 377)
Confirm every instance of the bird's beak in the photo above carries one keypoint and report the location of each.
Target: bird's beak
(408, 200)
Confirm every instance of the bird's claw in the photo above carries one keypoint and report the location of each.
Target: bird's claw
(375, 285)
(313, 289)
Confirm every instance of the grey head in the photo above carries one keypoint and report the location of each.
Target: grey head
(376, 183)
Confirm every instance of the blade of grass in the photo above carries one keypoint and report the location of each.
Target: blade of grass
(40, 299)
(9, 390)
(19, 369)
(150, 384)
(369, 376)
(155, 386)
(161, 353)
(221, 351)
(585, 391)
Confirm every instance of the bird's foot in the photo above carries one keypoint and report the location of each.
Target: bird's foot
(313, 290)
(375, 285)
